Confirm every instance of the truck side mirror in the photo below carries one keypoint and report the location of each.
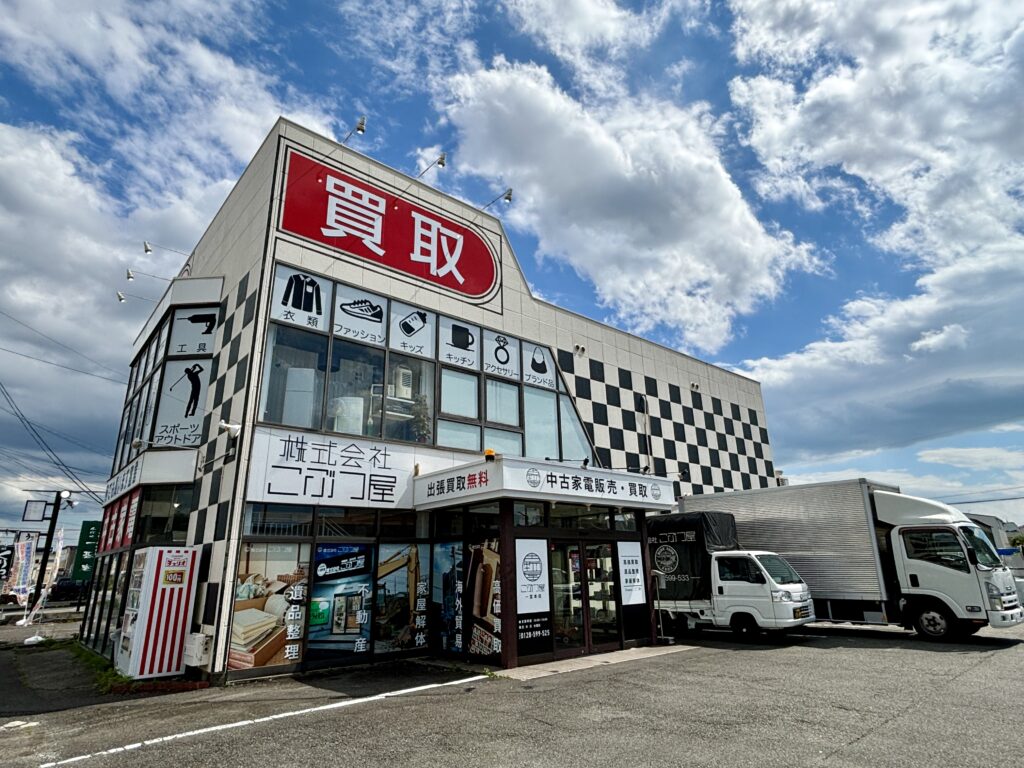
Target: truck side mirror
(972, 556)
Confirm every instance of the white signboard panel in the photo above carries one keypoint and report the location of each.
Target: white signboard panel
(193, 331)
(631, 573)
(523, 478)
(532, 582)
(301, 299)
(412, 330)
(460, 344)
(291, 466)
(359, 315)
(501, 355)
(538, 365)
(179, 417)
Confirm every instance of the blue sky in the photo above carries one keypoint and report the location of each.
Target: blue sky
(827, 197)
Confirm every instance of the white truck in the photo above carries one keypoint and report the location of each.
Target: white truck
(704, 579)
(873, 555)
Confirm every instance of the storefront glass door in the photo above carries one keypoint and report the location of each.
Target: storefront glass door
(585, 615)
(601, 599)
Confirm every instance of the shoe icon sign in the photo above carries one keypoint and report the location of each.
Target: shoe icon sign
(364, 309)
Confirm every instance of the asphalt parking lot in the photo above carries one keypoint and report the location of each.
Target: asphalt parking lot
(827, 697)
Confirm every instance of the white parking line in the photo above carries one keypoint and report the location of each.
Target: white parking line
(256, 721)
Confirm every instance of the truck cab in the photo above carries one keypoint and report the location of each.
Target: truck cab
(757, 590)
(751, 591)
(951, 580)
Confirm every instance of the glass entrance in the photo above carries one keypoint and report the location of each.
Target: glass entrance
(585, 616)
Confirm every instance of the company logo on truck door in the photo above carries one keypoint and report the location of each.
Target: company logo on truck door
(666, 559)
(329, 207)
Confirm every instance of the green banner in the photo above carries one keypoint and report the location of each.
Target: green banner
(85, 557)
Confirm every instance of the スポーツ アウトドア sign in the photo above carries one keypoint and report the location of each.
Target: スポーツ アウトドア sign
(329, 207)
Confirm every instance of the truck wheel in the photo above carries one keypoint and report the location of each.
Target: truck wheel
(934, 622)
(744, 625)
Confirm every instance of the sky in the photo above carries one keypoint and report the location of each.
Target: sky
(825, 196)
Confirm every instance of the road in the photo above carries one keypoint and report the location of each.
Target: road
(828, 697)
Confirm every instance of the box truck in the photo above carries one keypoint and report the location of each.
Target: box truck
(873, 555)
(705, 579)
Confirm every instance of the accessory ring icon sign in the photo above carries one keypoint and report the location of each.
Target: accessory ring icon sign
(501, 351)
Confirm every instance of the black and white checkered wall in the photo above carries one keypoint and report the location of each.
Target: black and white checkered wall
(230, 370)
(701, 442)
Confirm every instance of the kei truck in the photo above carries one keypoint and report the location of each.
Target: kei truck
(873, 555)
(705, 579)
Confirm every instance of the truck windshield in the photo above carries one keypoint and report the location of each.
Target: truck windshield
(780, 571)
(982, 546)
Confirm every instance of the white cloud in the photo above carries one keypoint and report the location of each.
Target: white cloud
(642, 209)
(158, 123)
(975, 458)
(919, 106)
(408, 43)
(596, 37)
(952, 336)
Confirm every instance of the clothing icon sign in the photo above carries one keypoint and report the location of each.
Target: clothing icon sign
(501, 351)
(413, 323)
(537, 362)
(364, 309)
(303, 293)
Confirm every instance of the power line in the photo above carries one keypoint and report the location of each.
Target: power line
(59, 343)
(41, 442)
(63, 435)
(23, 457)
(65, 367)
(983, 501)
(983, 490)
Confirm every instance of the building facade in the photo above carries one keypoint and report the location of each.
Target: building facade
(311, 402)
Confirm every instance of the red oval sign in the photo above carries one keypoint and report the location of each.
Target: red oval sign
(334, 209)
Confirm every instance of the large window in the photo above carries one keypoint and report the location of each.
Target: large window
(357, 374)
(408, 394)
(503, 441)
(293, 378)
(541, 421)
(163, 514)
(455, 434)
(575, 445)
(375, 376)
(502, 402)
(459, 394)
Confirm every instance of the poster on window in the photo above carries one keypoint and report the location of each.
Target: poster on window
(301, 298)
(340, 606)
(482, 598)
(538, 365)
(359, 315)
(412, 330)
(193, 331)
(459, 344)
(403, 581)
(533, 598)
(179, 416)
(631, 573)
(446, 609)
(500, 355)
(268, 621)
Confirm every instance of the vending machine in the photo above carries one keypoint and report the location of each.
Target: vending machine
(158, 614)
